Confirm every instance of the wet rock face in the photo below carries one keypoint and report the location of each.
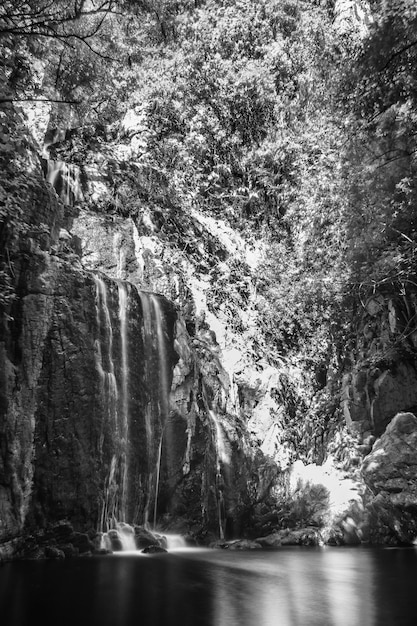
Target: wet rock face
(373, 396)
(95, 449)
(390, 472)
(28, 236)
(383, 379)
(88, 437)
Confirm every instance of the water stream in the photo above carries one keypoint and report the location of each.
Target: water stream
(222, 461)
(114, 396)
(157, 409)
(65, 179)
(124, 435)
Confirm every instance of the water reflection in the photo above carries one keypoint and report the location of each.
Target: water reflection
(295, 588)
(287, 587)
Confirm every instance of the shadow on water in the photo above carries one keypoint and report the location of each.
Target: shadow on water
(287, 587)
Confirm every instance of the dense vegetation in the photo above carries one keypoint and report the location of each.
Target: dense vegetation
(267, 114)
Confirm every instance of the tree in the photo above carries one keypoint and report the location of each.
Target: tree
(382, 221)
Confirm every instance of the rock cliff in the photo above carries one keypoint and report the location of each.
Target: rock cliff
(114, 400)
(136, 385)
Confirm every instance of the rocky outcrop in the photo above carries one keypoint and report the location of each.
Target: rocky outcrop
(390, 472)
(29, 230)
(383, 379)
(115, 402)
(352, 17)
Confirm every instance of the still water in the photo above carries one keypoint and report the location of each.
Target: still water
(286, 587)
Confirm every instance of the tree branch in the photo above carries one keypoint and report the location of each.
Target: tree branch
(3, 100)
(398, 53)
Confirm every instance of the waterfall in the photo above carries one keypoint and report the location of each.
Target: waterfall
(109, 390)
(222, 452)
(175, 542)
(114, 395)
(126, 536)
(156, 372)
(222, 458)
(122, 291)
(132, 483)
(104, 349)
(147, 342)
(119, 538)
(65, 179)
(162, 360)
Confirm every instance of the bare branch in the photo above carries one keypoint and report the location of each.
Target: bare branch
(398, 53)
(3, 100)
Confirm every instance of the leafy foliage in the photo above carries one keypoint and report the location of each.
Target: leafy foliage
(259, 113)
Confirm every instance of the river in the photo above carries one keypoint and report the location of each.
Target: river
(358, 586)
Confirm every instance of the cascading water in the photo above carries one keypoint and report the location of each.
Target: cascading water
(65, 179)
(114, 396)
(109, 391)
(163, 391)
(175, 542)
(121, 537)
(124, 404)
(222, 459)
(157, 409)
(134, 393)
(162, 360)
(222, 452)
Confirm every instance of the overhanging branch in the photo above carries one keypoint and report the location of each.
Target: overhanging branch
(3, 100)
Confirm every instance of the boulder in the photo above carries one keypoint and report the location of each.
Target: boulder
(52, 552)
(82, 542)
(292, 537)
(153, 549)
(237, 544)
(145, 538)
(390, 473)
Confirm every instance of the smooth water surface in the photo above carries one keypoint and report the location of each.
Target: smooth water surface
(285, 587)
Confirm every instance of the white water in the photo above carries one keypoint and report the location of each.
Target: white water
(222, 457)
(124, 435)
(162, 359)
(65, 179)
(105, 369)
(157, 379)
(149, 423)
(175, 542)
(114, 396)
(147, 341)
(112, 340)
(222, 451)
(104, 354)
(127, 536)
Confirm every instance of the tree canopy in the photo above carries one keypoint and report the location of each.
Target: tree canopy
(263, 113)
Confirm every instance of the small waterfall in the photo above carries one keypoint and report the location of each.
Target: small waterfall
(162, 360)
(222, 458)
(127, 536)
(65, 179)
(157, 378)
(158, 474)
(149, 410)
(114, 394)
(119, 538)
(104, 349)
(135, 402)
(124, 435)
(222, 452)
(175, 542)
(148, 347)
